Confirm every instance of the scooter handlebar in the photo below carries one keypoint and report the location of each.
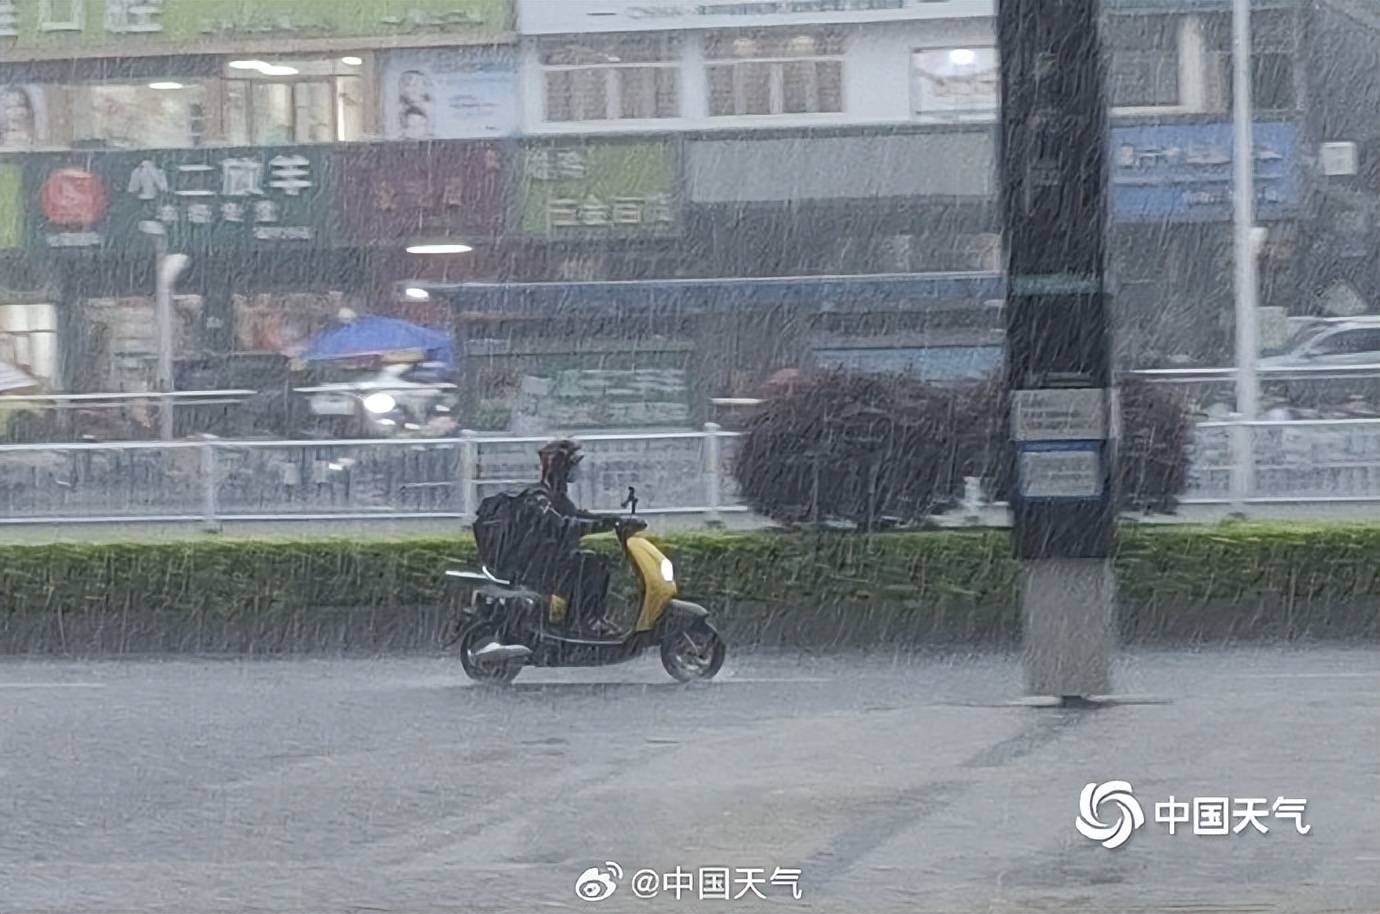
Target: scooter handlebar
(627, 526)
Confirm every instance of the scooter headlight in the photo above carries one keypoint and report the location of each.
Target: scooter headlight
(668, 571)
(379, 404)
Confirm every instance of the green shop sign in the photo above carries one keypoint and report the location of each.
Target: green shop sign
(11, 205)
(597, 189)
(223, 198)
(41, 25)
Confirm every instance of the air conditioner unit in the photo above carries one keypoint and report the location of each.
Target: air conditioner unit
(1337, 159)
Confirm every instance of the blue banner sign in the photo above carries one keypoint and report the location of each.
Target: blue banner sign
(1183, 172)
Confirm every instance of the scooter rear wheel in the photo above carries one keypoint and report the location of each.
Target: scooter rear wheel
(695, 653)
(493, 673)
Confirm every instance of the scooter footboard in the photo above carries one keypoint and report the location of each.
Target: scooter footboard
(680, 615)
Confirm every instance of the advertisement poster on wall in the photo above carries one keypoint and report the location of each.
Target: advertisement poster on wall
(949, 83)
(23, 116)
(449, 94)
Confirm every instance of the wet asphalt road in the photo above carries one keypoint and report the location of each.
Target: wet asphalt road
(893, 784)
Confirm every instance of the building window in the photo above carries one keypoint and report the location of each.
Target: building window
(318, 100)
(954, 83)
(61, 15)
(28, 339)
(9, 18)
(774, 72)
(608, 78)
(146, 115)
(1273, 60)
(1144, 61)
(134, 15)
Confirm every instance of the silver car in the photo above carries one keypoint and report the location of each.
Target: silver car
(1334, 341)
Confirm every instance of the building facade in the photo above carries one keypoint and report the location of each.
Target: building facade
(291, 150)
(295, 156)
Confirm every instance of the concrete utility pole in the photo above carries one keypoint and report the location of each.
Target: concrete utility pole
(1053, 161)
(1247, 270)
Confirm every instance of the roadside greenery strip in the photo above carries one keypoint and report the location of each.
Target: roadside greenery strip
(1168, 576)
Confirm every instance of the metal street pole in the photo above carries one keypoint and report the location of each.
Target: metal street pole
(166, 270)
(163, 315)
(1053, 159)
(1247, 280)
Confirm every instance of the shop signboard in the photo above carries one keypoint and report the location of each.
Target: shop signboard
(224, 198)
(926, 363)
(32, 28)
(547, 17)
(599, 189)
(403, 191)
(1183, 172)
(633, 397)
(451, 93)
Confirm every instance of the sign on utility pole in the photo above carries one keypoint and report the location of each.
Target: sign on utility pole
(1053, 162)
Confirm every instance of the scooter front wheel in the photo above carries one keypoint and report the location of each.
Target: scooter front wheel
(490, 672)
(693, 653)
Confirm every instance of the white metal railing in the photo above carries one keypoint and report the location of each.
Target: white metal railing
(212, 481)
(1269, 373)
(1269, 460)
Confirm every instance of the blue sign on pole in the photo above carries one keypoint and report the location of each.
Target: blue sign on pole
(1183, 172)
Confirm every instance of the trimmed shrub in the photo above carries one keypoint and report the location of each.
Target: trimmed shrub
(798, 589)
(879, 452)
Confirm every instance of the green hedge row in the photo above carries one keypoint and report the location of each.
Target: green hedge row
(768, 586)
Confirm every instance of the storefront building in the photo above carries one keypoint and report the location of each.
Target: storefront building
(290, 153)
(860, 138)
(294, 158)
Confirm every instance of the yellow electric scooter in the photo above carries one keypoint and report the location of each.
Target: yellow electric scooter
(501, 627)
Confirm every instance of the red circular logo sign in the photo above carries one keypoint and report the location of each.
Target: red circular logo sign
(72, 196)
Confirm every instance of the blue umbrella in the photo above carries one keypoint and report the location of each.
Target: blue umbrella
(377, 336)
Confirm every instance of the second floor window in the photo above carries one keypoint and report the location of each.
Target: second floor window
(9, 18)
(134, 15)
(598, 78)
(774, 72)
(1144, 61)
(146, 115)
(61, 15)
(316, 100)
(1273, 60)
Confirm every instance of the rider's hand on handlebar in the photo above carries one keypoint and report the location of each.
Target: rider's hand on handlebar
(631, 525)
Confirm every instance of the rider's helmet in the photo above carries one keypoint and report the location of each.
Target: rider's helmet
(559, 460)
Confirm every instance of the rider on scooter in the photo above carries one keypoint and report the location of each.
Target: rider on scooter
(550, 527)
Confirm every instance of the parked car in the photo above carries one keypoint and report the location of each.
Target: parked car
(1329, 342)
